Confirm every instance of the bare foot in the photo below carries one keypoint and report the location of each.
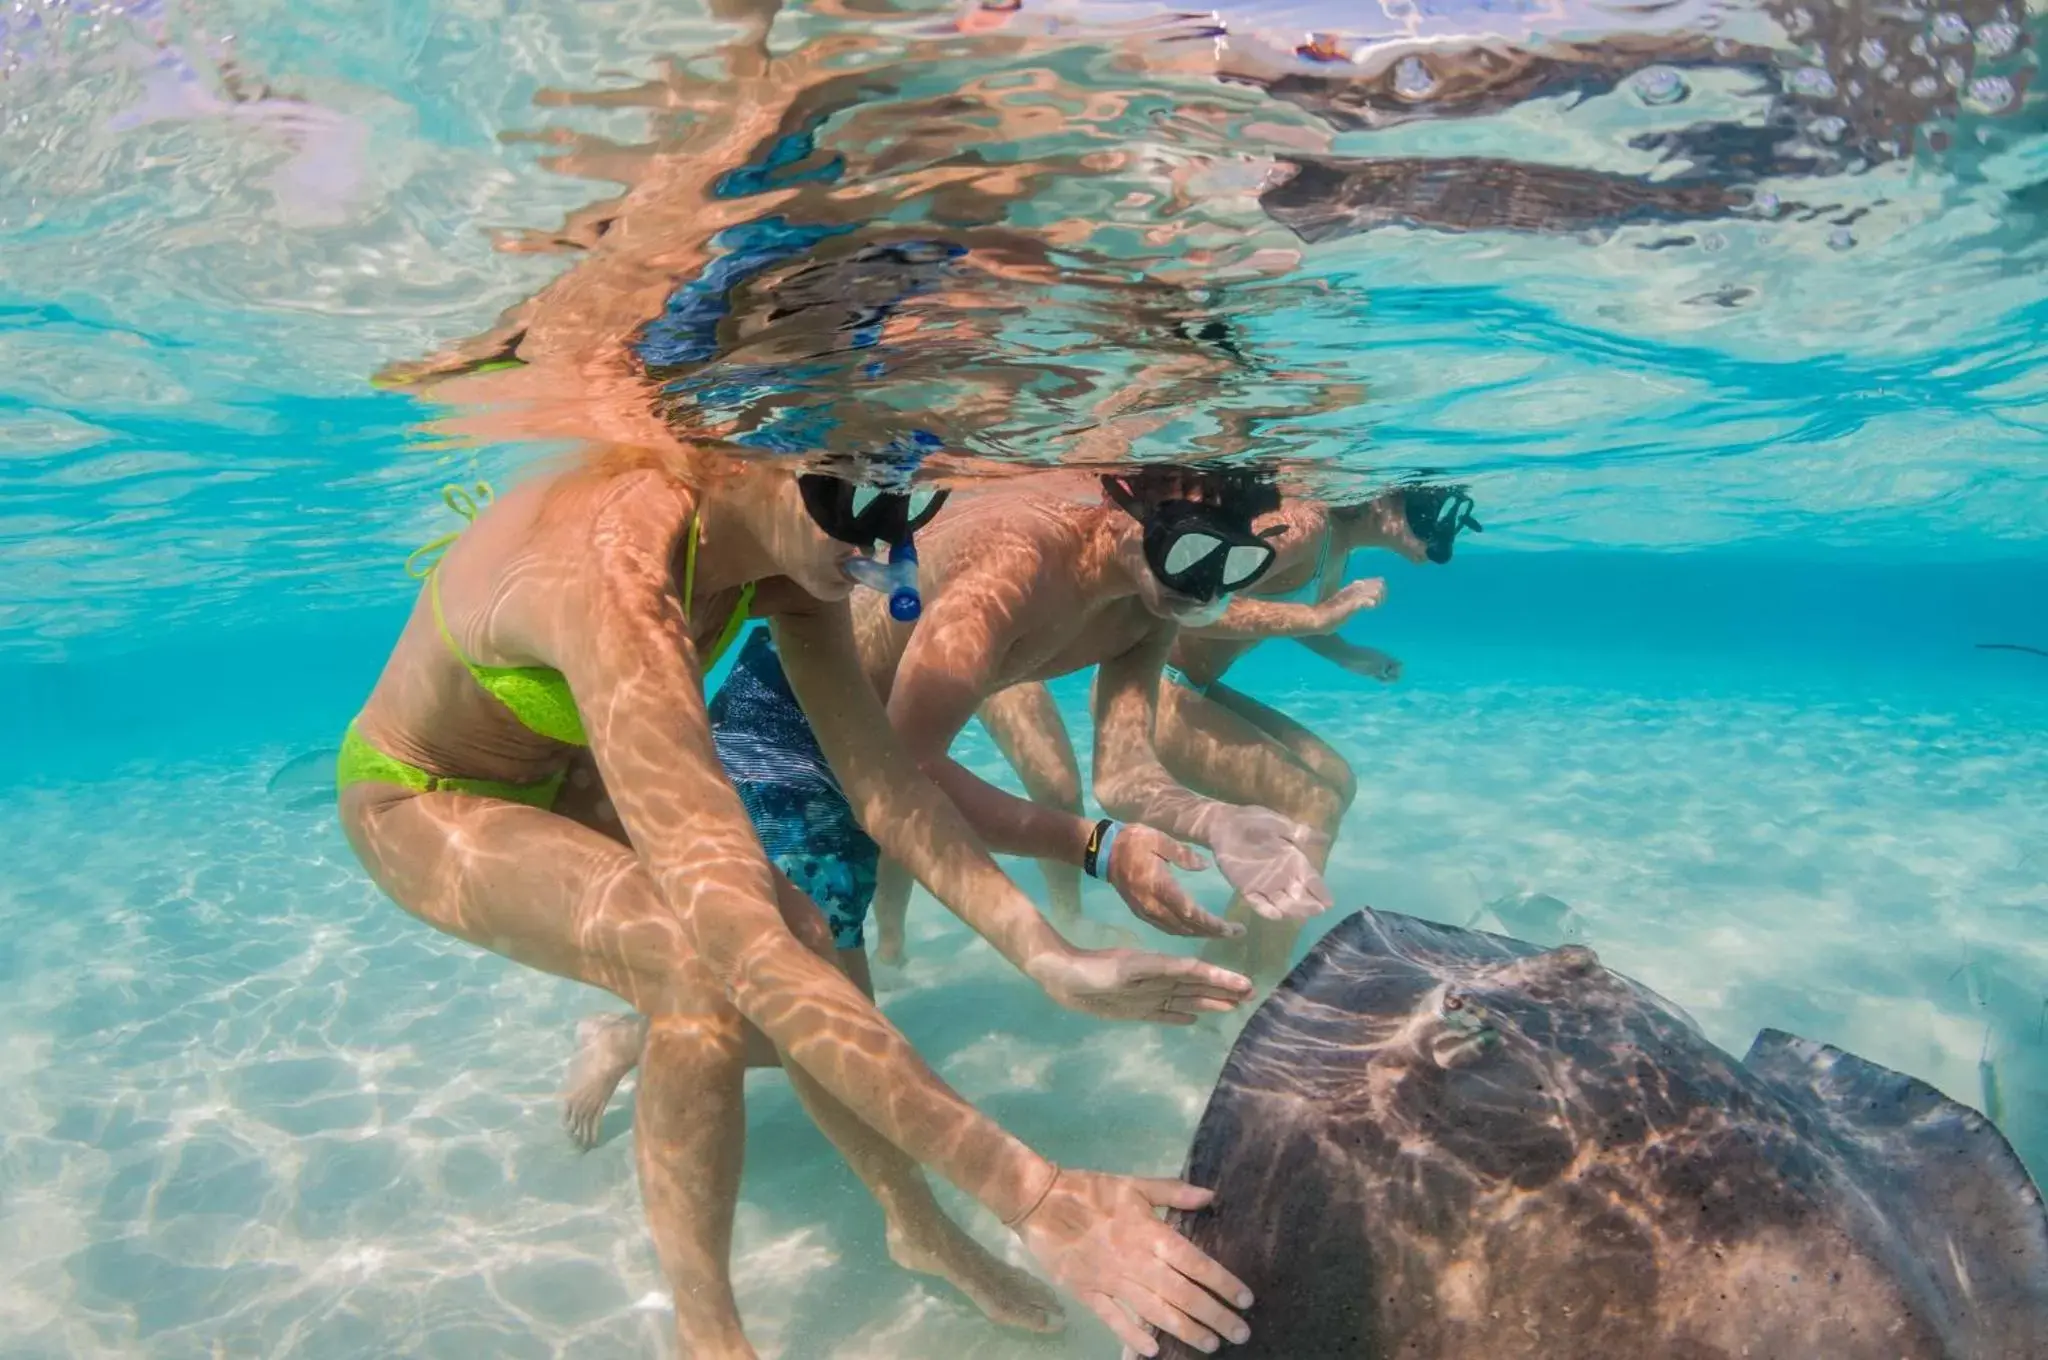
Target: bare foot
(1009, 1296)
(607, 1048)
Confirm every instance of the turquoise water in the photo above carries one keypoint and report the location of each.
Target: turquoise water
(1754, 492)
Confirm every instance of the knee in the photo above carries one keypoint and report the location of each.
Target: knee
(1325, 810)
(1060, 789)
(1324, 802)
(1342, 784)
(806, 921)
(1333, 774)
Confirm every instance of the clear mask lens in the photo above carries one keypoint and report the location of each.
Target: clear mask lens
(1189, 550)
(1243, 564)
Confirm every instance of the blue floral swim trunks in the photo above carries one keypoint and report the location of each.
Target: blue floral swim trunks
(797, 807)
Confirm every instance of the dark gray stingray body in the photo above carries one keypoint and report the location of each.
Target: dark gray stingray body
(1432, 1143)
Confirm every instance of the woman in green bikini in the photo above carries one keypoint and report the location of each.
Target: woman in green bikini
(566, 631)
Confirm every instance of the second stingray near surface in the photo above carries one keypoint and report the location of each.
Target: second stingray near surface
(1434, 1143)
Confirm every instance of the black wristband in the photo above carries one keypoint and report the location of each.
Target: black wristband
(1088, 865)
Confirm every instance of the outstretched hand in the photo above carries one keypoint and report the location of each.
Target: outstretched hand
(1270, 860)
(1352, 599)
(1375, 665)
(1130, 984)
(1099, 1238)
(1141, 866)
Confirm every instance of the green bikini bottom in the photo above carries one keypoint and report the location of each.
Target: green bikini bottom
(362, 763)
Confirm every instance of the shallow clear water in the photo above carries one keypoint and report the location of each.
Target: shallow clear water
(1756, 423)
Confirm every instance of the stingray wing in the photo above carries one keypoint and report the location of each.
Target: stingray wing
(1288, 1217)
(1942, 1178)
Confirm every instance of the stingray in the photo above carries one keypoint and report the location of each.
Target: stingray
(1434, 1143)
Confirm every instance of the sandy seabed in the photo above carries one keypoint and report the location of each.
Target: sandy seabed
(248, 1108)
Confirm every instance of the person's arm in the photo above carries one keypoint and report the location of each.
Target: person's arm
(1265, 856)
(1251, 619)
(944, 674)
(627, 653)
(1369, 662)
(1130, 781)
(618, 633)
(918, 826)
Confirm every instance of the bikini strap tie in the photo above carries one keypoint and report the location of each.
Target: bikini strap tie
(466, 501)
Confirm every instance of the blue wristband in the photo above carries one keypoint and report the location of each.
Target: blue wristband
(1102, 851)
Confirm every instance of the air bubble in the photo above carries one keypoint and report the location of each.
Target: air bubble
(1924, 87)
(1660, 85)
(1814, 81)
(1871, 52)
(1413, 79)
(1830, 129)
(1990, 94)
(1951, 29)
(1995, 40)
(1841, 238)
(1713, 243)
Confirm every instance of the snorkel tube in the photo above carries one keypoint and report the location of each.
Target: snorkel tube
(897, 578)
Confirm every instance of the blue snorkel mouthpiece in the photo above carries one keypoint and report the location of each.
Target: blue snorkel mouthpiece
(897, 578)
(904, 602)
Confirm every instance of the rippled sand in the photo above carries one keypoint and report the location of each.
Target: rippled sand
(249, 1108)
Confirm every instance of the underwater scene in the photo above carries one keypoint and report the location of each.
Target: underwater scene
(911, 679)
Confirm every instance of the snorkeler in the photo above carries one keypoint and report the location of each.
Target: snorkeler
(1222, 741)
(814, 835)
(579, 611)
(1025, 587)
(1019, 586)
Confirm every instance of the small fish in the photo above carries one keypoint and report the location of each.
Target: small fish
(1987, 1080)
(1534, 916)
(305, 781)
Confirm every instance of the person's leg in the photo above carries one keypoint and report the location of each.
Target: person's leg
(557, 896)
(1314, 754)
(1026, 726)
(1213, 746)
(689, 1140)
(921, 1237)
(892, 908)
(553, 894)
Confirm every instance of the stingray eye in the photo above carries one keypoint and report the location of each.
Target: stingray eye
(1454, 1002)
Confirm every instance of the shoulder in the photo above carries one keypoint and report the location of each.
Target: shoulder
(629, 520)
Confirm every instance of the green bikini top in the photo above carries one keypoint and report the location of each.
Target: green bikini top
(538, 696)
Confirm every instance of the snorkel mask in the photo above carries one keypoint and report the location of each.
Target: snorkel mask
(1201, 548)
(891, 512)
(1435, 514)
